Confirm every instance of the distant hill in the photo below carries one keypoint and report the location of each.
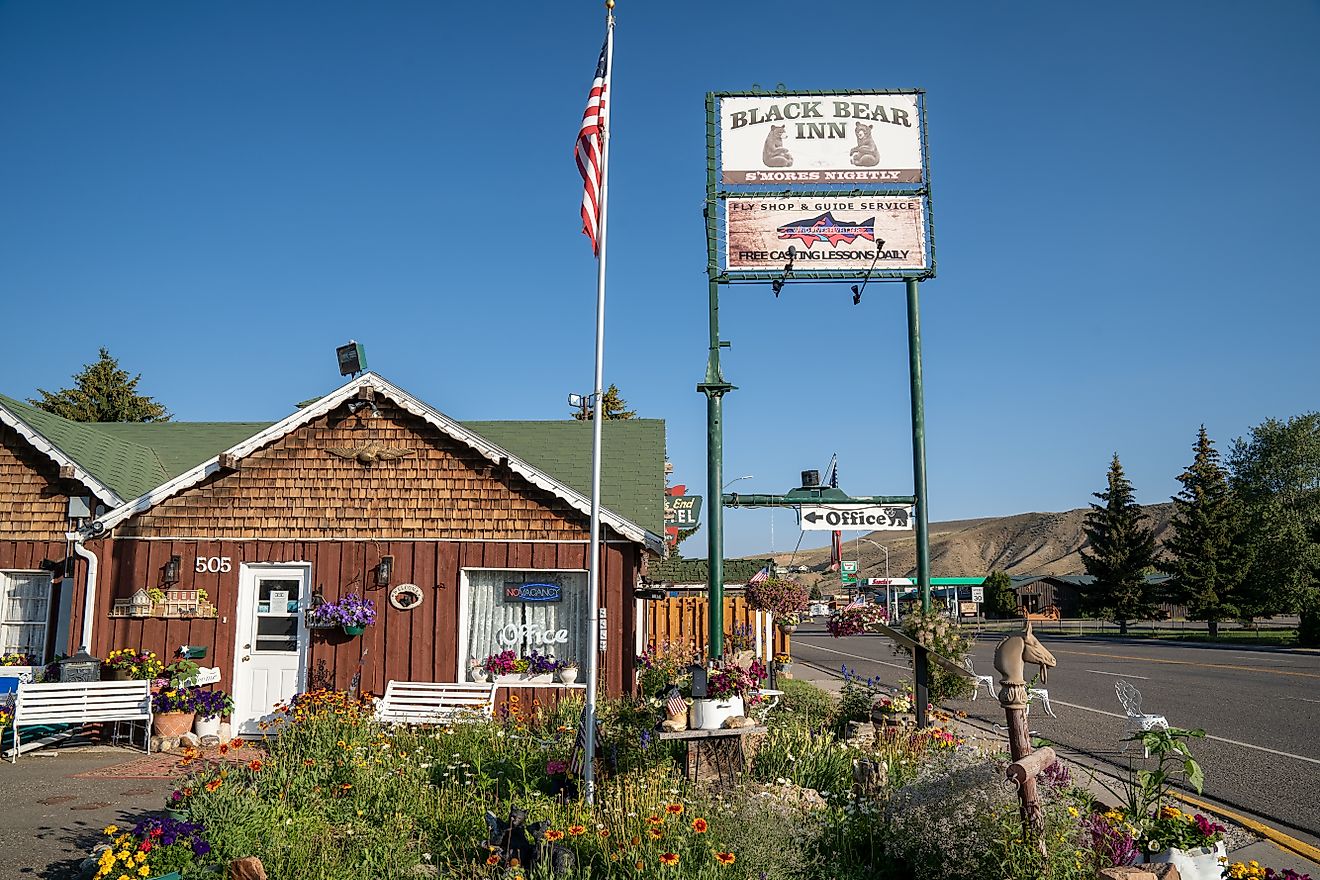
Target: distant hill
(1026, 543)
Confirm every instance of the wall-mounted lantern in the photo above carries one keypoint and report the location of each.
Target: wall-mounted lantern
(171, 571)
(384, 571)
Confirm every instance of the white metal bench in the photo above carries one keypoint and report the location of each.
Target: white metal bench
(81, 703)
(435, 702)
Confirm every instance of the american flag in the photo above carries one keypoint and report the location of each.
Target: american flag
(590, 149)
(759, 576)
(676, 704)
(857, 602)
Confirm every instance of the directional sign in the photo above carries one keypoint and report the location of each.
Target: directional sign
(853, 517)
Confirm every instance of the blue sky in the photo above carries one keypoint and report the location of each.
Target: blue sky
(1124, 206)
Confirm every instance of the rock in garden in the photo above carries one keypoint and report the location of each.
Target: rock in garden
(155, 743)
(249, 868)
(1127, 872)
(209, 741)
(673, 726)
(190, 741)
(737, 722)
(1166, 872)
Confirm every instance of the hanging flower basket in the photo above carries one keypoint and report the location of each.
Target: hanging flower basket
(352, 614)
(353, 630)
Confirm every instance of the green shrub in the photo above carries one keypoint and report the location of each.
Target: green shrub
(802, 702)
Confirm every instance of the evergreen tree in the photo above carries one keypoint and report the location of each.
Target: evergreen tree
(102, 392)
(1121, 551)
(615, 407)
(1000, 598)
(1201, 552)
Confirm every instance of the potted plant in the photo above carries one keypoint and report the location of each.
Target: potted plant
(352, 614)
(1190, 842)
(568, 671)
(537, 668)
(785, 599)
(127, 664)
(496, 665)
(210, 706)
(726, 686)
(893, 710)
(173, 710)
(784, 663)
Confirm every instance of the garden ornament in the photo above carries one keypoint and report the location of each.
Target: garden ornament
(516, 839)
(1011, 658)
(869, 776)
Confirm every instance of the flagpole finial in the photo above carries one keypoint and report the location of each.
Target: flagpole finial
(609, 4)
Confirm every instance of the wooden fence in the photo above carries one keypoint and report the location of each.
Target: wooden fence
(683, 620)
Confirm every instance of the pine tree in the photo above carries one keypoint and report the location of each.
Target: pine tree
(1205, 574)
(615, 407)
(1000, 599)
(102, 392)
(1121, 551)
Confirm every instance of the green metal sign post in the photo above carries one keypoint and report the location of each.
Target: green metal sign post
(714, 386)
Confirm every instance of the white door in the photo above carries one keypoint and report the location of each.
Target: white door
(270, 656)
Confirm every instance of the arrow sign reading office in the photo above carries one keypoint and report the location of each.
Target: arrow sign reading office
(829, 518)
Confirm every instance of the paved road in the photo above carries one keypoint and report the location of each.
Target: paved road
(1260, 709)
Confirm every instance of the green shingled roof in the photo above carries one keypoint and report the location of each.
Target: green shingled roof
(132, 458)
(696, 571)
(632, 475)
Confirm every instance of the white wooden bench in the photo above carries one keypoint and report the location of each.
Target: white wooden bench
(435, 702)
(81, 703)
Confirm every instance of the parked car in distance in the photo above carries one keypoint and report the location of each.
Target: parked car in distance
(818, 609)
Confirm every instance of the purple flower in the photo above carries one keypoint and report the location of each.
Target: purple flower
(1113, 845)
(352, 610)
(1057, 775)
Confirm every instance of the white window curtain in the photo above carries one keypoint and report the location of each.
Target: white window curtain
(495, 625)
(24, 612)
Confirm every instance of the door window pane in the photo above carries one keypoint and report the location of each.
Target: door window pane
(277, 615)
(24, 613)
(495, 623)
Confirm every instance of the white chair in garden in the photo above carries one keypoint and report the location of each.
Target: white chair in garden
(1042, 694)
(1137, 722)
(986, 681)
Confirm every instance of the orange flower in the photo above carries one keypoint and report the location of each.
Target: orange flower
(254, 765)
(603, 833)
(515, 862)
(699, 825)
(654, 820)
(309, 762)
(236, 743)
(674, 809)
(553, 834)
(213, 785)
(492, 859)
(669, 859)
(655, 833)
(224, 748)
(725, 858)
(346, 786)
(635, 840)
(639, 866)
(576, 830)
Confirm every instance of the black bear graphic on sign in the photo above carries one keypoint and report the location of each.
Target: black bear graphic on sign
(898, 516)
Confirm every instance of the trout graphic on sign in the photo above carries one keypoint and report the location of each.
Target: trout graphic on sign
(815, 139)
(826, 233)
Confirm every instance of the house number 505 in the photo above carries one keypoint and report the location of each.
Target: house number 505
(213, 564)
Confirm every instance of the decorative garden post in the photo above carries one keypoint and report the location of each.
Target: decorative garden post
(1011, 657)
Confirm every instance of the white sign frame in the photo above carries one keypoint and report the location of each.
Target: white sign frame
(823, 140)
(857, 517)
(827, 233)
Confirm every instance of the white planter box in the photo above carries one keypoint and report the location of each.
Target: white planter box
(207, 726)
(526, 680)
(1194, 864)
(711, 714)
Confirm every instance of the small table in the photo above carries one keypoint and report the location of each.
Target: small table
(724, 752)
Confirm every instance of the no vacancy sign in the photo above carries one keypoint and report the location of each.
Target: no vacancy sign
(826, 233)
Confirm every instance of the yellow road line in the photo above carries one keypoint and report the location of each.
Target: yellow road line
(1265, 670)
(1288, 842)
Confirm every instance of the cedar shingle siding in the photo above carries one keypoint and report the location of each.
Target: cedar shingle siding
(33, 501)
(294, 488)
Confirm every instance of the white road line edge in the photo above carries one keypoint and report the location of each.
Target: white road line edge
(1120, 674)
(904, 666)
(1222, 739)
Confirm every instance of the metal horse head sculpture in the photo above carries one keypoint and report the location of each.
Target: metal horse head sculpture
(1011, 658)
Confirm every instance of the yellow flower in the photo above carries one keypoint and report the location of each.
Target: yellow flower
(1072, 811)
(110, 829)
(144, 871)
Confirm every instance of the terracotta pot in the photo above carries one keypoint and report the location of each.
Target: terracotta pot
(171, 724)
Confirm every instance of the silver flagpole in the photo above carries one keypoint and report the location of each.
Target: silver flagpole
(593, 563)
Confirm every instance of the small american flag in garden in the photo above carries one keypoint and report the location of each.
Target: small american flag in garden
(857, 602)
(675, 704)
(761, 575)
(589, 151)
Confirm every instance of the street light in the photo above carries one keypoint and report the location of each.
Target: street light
(736, 479)
(888, 586)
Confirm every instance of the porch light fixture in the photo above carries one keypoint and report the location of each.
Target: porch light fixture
(171, 571)
(384, 571)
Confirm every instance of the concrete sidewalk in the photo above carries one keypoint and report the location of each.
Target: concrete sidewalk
(1095, 778)
(53, 817)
